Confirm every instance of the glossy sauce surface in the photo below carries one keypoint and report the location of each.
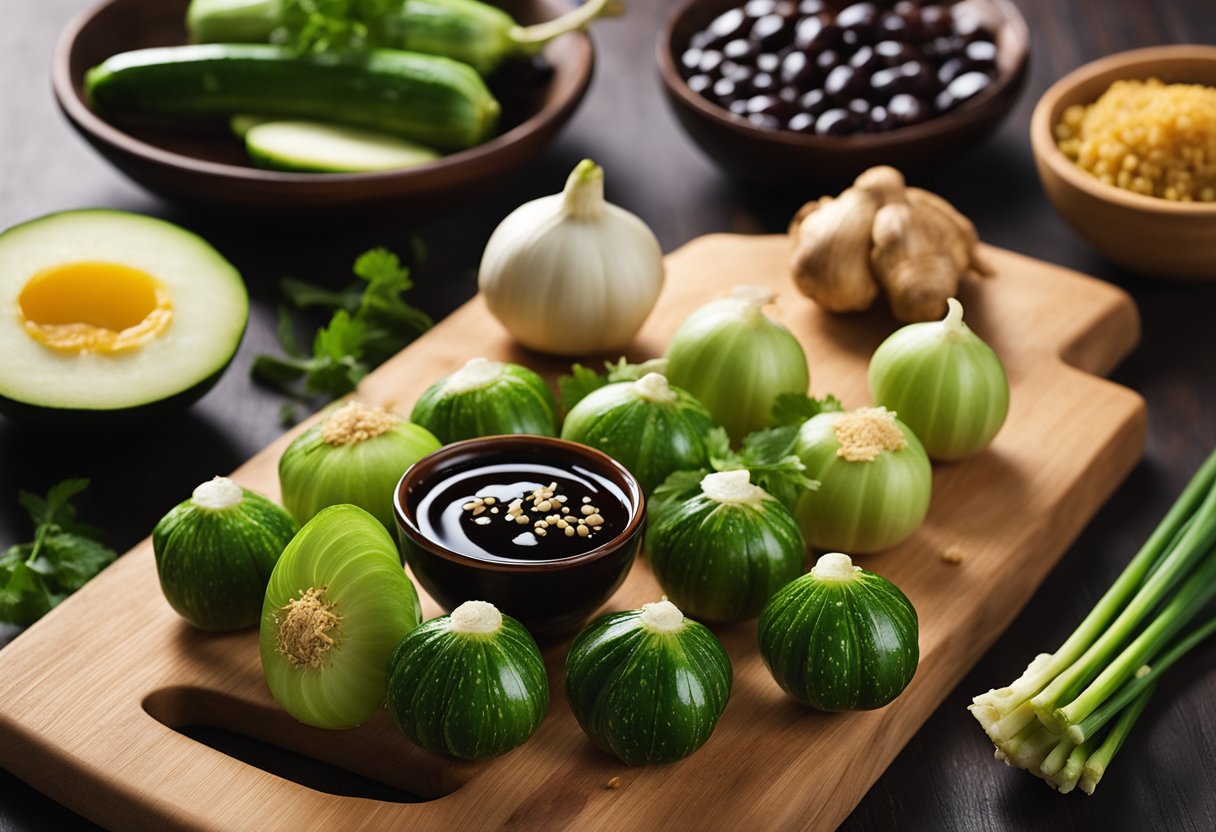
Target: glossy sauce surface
(471, 511)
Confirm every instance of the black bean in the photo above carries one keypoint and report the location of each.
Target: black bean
(764, 121)
(861, 18)
(892, 26)
(880, 120)
(813, 102)
(789, 94)
(757, 9)
(893, 52)
(815, 34)
(724, 89)
(700, 83)
(769, 61)
(827, 60)
(801, 123)
(919, 78)
(837, 122)
(936, 21)
(904, 109)
(727, 25)
(764, 82)
(797, 69)
(948, 70)
(980, 53)
(866, 60)
(844, 83)
(967, 85)
(772, 32)
(739, 49)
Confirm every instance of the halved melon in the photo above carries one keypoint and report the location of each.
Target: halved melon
(107, 312)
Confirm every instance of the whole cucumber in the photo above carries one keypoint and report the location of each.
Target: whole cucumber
(479, 34)
(425, 98)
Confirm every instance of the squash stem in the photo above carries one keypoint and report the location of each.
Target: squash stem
(583, 196)
(531, 39)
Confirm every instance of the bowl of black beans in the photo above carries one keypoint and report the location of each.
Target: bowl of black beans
(788, 90)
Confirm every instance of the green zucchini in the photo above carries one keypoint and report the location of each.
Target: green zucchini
(424, 98)
(721, 553)
(840, 638)
(648, 685)
(471, 684)
(337, 605)
(485, 398)
(651, 428)
(311, 146)
(215, 552)
(478, 34)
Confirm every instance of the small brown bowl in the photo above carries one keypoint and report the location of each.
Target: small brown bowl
(776, 156)
(550, 597)
(1151, 236)
(211, 166)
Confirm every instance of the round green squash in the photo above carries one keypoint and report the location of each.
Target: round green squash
(215, 552)
(355, 455)
(487, 398)
(874, 478)
(723, 552)
(471, 684)
(648, 685)
(650, 427)
(736, 360)
(840, 638)
(337, 605)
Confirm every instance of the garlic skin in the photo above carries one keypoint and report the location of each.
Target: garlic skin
(571, 274)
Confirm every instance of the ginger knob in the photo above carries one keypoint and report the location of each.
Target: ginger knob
(881, 235)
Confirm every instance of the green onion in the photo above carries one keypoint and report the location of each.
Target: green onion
(1071, 710)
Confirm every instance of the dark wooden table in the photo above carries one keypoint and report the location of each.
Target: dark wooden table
(946, 778)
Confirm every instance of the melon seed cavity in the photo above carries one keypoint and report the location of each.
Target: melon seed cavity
(304, 627)
(865, 433)
(355, 422)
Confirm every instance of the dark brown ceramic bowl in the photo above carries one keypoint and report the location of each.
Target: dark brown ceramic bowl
(775, 157)
(550, 597)
(211, 166)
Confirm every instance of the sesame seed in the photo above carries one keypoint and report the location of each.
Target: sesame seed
(561, 524)
(481, 521)
(494, 510)
(569, 531)
(491, 501)
(468, 506)
(540, 532)
(594, 520)
(565, 510)
(588, 510)
(521, 519)
(583, 531)
(479, 510)
(544, 505)
(586, 499)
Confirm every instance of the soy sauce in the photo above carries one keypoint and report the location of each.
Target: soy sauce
(470, 511)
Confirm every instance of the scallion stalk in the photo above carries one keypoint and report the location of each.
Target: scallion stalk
(1068, 713)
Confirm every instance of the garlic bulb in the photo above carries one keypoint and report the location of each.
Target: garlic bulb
(571, 274)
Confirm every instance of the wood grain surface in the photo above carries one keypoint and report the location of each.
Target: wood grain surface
(945, 780)
(98, 734)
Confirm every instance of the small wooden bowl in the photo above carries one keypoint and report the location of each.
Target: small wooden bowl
(212, 167)
(1151, 236)
(776, 157)
(550, 597)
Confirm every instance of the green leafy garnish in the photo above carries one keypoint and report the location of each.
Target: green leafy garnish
(371, 322)
(62, 557)
(582, 380)
(796, 408)
(326, 25)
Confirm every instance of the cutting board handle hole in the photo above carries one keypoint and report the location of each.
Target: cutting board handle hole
(216, 721)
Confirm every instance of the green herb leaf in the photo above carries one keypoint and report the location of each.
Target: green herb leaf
(583, 380)
(796, 408)
(327, 25)
(371, 322)
(678, 487)
(63, 556)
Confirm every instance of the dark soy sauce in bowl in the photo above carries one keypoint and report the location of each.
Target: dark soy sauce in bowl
(516, 510)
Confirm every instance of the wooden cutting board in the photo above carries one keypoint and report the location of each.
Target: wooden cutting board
(90, 695)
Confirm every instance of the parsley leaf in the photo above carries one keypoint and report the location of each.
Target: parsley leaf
(62, 557)
(325, 25)
(371, 322)
(796, 408)
(583, 380)
(680, 486)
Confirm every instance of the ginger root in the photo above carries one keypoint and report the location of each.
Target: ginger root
(881, 234)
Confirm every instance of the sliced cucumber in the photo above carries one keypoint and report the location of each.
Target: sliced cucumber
(328, 148)
(242, 124)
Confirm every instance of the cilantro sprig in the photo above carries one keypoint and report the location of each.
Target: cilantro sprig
(62, 557)
(371, 322)
(325, 25)
(582, 380)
